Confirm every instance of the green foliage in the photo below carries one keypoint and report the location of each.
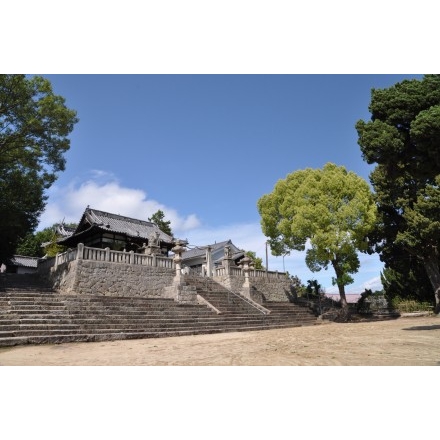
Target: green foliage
(34, 129)
(296, 286)
(330, 209)
(29, 246)
(159, 219)
(405, 305)
(409, 281)
(402, 138)
(313, 287)
(41, 243)
(258, 262)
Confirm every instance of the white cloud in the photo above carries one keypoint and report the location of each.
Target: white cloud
(373, 284)
(104, 192)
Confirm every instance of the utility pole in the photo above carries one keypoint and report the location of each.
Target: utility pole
(266, 261)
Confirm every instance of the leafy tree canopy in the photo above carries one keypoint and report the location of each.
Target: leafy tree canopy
(258, 262)
(34, 129)
(42, 242)
(403, 139)
(331, 209)
(159, 219)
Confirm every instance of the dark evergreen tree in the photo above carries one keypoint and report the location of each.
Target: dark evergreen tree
(403, 140)
(159, 219)
(34, 129)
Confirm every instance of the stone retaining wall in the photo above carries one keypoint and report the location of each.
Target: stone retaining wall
(262, 289)
(115, 279)
(272, 289)
(85, 277)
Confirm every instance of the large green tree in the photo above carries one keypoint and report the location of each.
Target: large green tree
(331, 209)
(403, 140)
(34, 129)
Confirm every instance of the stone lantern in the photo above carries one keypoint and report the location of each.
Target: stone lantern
(178, 249)
(179, 290)
(245, 264)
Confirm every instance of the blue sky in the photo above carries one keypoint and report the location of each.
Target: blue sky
(205, 148)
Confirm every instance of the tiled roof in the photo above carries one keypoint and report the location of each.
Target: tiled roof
(64, 231)
(200, 251)
(351, 298)
(120, 225)
(22, 261)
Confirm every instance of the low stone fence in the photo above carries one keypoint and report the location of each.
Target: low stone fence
(253, 273)
(95, 254)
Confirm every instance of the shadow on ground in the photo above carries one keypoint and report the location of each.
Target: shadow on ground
(424, 327)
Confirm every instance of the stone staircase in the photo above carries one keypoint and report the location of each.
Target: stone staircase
(282, 314)
(32, 313)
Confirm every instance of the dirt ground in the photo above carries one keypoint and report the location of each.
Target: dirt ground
(411, 341)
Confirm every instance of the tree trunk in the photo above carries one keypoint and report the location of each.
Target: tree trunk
(341, 287)
(433, 272)
(342, 295)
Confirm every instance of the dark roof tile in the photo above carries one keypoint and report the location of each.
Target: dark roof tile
(23, 261)
(120, 224)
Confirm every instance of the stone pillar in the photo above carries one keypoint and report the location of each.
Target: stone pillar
(227, 260)
(245, 268)
(209, 261)
(107, 254)
(80, 254)
(227, 263)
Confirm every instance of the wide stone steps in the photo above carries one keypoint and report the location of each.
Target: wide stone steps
(109, 328)
(93, 337)
(30, 313)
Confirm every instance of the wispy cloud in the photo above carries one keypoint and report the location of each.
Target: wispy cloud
(104, 192)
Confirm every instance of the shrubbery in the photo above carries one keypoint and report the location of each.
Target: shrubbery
(410, 305)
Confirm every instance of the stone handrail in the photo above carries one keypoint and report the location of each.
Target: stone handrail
(250, 301)
(97, 254)
(235, 271)
(255, 273)
(220, 271)
(65, 257)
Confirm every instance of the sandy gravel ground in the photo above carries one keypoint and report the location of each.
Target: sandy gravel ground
(413, 341)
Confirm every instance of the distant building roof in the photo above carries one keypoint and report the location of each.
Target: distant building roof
(23, 261)
(107, 222)
(352, 298)
(64, 231)
(200, 251)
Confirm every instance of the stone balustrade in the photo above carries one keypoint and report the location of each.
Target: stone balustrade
(253, 273)
(107, 255)
(97, 254)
